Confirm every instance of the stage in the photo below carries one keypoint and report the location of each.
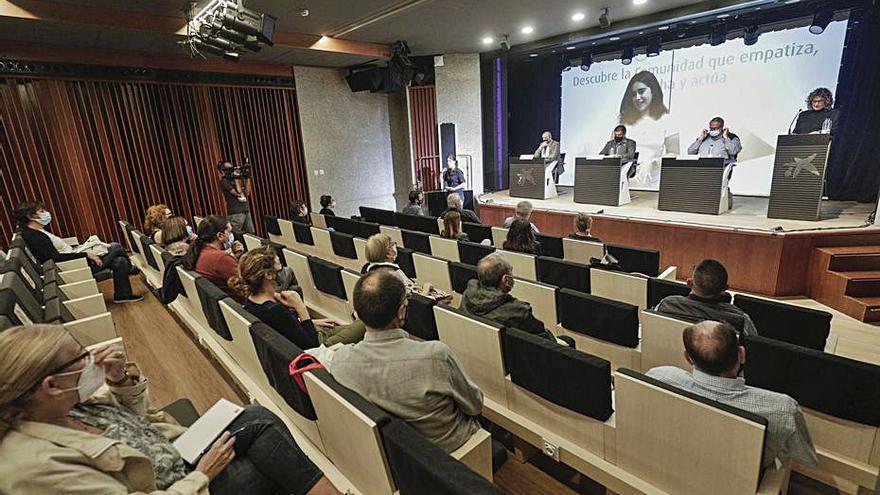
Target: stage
(744, 239)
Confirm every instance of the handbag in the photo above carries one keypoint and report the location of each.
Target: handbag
(300, 364)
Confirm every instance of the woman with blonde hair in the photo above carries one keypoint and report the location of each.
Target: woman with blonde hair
(381, 252)
(285, 311)
(154, 220)
(75, 421)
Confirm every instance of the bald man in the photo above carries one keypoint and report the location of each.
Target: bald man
(549, 151)
(713, 349)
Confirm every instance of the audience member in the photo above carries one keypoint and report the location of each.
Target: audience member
(708, 299)
(582, 224)
(453, 203)
(523, 212)
(210, 256)
(713, 349)
(452, 227)
(327, 205)
(489, 297)
(381, 252)
(415, 203)
(236, 190)
(32, 217)
(420, 382)
(285, 311)
(74, 421)
(176, 235)
(521, 238)
(154, 220)
(299, 212)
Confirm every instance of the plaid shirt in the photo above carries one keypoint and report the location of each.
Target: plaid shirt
(787, 434)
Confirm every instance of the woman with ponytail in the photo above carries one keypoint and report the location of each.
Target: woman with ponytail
(74, 421)
(285, 311)
(215, 252)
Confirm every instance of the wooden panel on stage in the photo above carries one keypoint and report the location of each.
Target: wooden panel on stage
(758, 262)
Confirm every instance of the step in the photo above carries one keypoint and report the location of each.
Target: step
(866, 309)
(862, 283)
(850, 262)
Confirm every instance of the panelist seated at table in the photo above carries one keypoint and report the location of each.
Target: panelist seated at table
(820, 118)
(549, 151)
(717, 141)
(622, 146)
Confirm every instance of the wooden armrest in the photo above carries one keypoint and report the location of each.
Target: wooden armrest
(78, 264)
(76, 290)
(76, 275)
(775, 480)
(93, 329)
(669, 273)
(476, 453)
(84, 307)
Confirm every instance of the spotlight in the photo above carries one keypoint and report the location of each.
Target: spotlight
(586, 61)
(505, 43)
(488, 40)
(627, 56)
(750, 35)
(718, 34)
(681, 31)
(821, 20)
(567, 63)
(653, 48)
(527, 30)
(604, 21)
(578, 17)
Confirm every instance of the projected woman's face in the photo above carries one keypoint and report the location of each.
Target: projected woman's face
(641, 96)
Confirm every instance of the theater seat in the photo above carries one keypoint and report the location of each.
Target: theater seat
(343, 245)
(786, 322)
(417, 241)
(303, 234)
(327, 277)
(444, 248)
(405, 261)
(460, 274)
(551, 245)
(420, 321)
(602, 327)
(658, 289)
(470, 253)
(273, 230)
(210, 296)
(563, 274)
(477, 232)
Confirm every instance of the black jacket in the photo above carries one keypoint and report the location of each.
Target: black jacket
(466, 215)
(41, 247)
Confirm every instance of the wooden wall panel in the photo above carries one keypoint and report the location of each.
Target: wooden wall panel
(425, 138)
(98, 151)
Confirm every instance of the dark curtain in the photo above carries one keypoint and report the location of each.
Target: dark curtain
(854, 164)
(534, 94)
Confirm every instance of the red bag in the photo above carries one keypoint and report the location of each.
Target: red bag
(300, 364)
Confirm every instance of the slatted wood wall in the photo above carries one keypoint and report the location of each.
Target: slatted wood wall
(425, 140)
(98, 151)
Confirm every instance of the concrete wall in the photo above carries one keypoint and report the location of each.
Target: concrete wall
(458, 102)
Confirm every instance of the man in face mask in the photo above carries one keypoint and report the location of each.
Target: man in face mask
(622, 146)
(717, 141)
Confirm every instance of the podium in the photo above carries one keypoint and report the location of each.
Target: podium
(799, 176)
(694, 185)
(601, 180)
(531, 178)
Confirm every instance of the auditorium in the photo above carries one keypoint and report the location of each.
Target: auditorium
(440, 247)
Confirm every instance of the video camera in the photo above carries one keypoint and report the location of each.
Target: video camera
(241, 171)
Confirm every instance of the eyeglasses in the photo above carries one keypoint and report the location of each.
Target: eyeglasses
(58, 370)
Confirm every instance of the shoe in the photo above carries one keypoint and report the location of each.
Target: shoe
(128, 299)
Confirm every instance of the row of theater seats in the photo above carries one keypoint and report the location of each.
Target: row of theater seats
(358, 445)
(838, 392)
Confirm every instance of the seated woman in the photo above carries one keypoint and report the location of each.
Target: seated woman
(285, 311)
(154, 220)
(453, 203)
(299, 212)
(381, 252)
(176, 235)
(327, 205)
(32, 217)
(582, 224)
(521, 239)
(452, 227)
(80, 422)
(214, 254)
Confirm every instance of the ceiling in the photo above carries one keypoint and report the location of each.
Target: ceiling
(429, 26)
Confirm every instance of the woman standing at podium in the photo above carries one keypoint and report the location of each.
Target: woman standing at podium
(820, 117)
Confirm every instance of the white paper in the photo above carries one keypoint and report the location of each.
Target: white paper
(197, 439)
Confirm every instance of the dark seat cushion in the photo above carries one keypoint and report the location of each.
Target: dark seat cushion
(378, 215)
(604, 319)
(148, 253)
(343, 244)
(835, 385)
(477, 232)
(19, 305)
(275, 353)
(417, 241)
(211, 295)
(279, 251)
(270, 223)
(341, 224)
(551, 245)
(460, 274)
(129, 231)
(786, 322)
(32, 280)
(659, 289)
(18, 257)
(471, 253)
(366, 229)
(537, 365)
(563, 274)
(327, 277)
(303, 233)
(418, 223)
(405, 261)
(421, 468)
(420, 321)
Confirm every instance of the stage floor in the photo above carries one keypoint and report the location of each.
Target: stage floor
(749, 213)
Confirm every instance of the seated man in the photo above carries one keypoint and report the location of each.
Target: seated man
(523, 212)
(714, 351)
(489, 297)
(453, 203)
(621, 146)
(717, 141)
(415, 203)
(420, 382)
(707, 300)
(583, 222)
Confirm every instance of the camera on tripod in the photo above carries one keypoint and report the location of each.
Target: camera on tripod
(242, 171)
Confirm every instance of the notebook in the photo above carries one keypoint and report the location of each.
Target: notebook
(199, 437)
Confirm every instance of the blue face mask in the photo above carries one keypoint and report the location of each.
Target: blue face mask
(43, 218)
(189, 231)
(229, 241)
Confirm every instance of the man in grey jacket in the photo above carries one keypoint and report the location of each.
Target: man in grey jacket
(549, 151)
(620, 145)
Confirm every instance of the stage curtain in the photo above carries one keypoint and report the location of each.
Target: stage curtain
(854, 164)
(534, 92)
(99, 151)
(425, 140)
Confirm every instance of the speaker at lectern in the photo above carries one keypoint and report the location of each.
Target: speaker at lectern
(531, 178)
(602, 180)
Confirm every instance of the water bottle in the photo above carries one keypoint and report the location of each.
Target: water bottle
(826, 126)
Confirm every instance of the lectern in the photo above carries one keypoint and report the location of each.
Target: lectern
(694, 184)
(799, 176)
(601, 180)
(531, 178)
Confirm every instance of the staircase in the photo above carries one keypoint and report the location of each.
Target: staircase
(847, 278)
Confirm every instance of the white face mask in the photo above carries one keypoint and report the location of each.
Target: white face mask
(229, 241)
(91, 378)
(715, 132)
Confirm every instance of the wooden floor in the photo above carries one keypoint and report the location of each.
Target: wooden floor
(177, 367)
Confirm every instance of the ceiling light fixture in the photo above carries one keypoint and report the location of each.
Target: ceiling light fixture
(627, 56)
(604, 20)
(533, 55)
(614, 38)
(639, 2)
(488, 40)
(586, 61)
(578, 16)
(718, 34)
(750, 35)
(654, 47)
(572, 47)
(821, 20)
(527, 30)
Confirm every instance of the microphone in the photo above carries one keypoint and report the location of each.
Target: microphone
(791, 126)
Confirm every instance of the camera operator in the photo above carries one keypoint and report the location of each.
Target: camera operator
(236, 187)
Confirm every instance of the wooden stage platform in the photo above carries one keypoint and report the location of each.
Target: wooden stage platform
(763, 256)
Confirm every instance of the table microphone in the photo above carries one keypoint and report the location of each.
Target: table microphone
(791, 126)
